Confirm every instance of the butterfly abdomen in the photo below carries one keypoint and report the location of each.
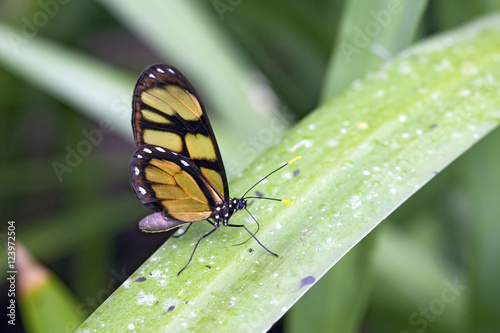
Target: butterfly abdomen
(157, 222)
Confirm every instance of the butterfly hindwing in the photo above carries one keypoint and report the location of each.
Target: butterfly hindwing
(169, 182)
(168, 113)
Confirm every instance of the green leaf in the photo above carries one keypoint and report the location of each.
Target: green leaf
(365, 152)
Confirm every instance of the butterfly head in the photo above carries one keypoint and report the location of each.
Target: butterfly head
(223, 212)
(240, 204)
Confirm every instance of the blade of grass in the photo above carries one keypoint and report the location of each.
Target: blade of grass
(450, 13)
(410, 262)
(338, 301)
(279, 46)
(38, 287)
(371, 33)
(88, 85)
(365, 152)
(482, 181)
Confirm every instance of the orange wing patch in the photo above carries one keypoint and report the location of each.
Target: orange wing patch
(178, 191)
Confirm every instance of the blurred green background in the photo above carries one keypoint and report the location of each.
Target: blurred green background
(432, 266)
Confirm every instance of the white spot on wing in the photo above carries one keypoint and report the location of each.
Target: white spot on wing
(147, 150)
(136, 170)
(171, 70)
(160, 149)
(185, 163)
(151, 75)
(139, 156)
(160, 70)
(143, 191)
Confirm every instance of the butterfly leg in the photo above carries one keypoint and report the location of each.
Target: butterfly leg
(255, 233)
(243, 226)
(216, 226)
(255, 220)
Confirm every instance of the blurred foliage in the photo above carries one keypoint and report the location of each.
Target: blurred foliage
(84, 226)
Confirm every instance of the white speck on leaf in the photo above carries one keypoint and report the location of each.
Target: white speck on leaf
(307, 143)
(146, 299)
(379, 93)
(332, 143)
(465, 92)
(355, 202)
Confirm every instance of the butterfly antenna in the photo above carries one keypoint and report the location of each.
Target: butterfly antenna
(278, 169)
(261, 197)
(274, 199)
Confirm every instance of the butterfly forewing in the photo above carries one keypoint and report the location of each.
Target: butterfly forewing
(168, 113)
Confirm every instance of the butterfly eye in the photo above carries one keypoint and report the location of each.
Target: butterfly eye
(242, 204)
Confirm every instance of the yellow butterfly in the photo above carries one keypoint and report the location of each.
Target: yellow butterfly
(177, 169)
